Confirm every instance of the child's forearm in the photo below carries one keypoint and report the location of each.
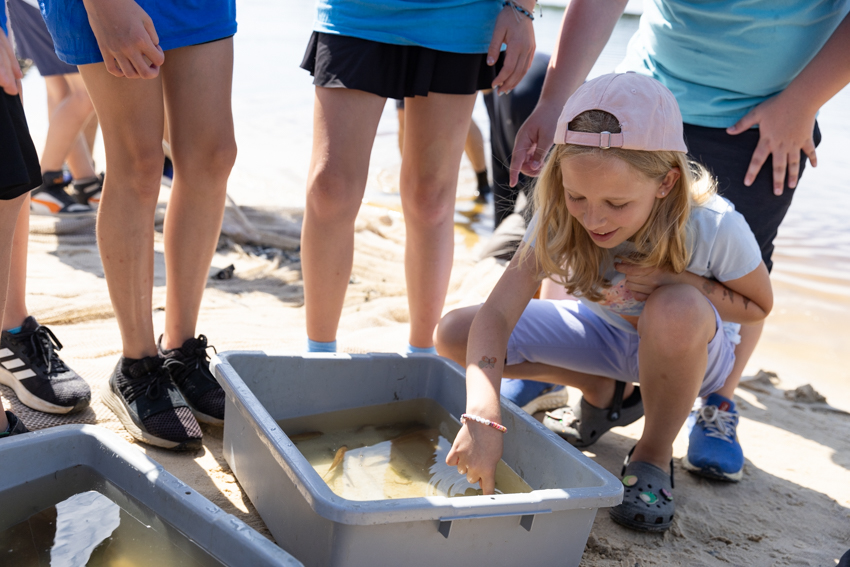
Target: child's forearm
(731, 305)
(485, 363)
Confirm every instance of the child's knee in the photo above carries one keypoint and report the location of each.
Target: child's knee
(211, 160)
(452, 333)
(679, 316)
(331, 196)
(425, 201)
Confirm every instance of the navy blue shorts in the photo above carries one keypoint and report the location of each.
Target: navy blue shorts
(33, 41)
(728, 157)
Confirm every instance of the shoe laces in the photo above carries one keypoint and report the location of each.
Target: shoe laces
(43, 347)
(155, 385)
(718, 423)
(195, 358)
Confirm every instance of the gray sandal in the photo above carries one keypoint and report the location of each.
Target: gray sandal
(647, 498)
(583, 424)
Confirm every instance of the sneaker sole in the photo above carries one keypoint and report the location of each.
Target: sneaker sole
(711, 473)
(116, 403)
(31, 401)
(548, 401)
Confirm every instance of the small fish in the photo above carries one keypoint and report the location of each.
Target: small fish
(299, 437)
(338, 458)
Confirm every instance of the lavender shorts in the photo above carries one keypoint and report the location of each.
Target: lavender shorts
(568, 335)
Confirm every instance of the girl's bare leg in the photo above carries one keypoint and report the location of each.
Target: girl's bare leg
(344, 126)
(16, 296)
(474, 148)
(675, 328)
(67, 118)
(9, 217)
(435, 131)
(197, 85)
(125, 223)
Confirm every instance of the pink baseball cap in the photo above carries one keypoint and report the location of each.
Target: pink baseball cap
(647, 111)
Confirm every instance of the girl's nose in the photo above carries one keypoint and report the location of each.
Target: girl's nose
(593, 218)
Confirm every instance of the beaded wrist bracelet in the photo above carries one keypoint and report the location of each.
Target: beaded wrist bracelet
(519, 9)
(479, 419)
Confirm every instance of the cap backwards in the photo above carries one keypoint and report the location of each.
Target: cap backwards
(647, 111)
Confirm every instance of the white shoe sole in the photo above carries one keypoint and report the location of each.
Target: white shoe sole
(733, 477)
(27, 398)
(114, 402)
(548, 401)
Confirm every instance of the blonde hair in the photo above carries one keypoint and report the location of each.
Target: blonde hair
(563, 249)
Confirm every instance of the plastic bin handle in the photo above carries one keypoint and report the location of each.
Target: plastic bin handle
(526, 520)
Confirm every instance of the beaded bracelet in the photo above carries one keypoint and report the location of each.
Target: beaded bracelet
(479, 419)
(518, 8)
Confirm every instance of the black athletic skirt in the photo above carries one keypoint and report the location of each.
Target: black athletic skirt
(395, 71)
(19, 169)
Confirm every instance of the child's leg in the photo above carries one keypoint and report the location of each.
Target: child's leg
(131, 116)
(9, 214)
(344, 126)
(675, 328)
(435, 133)
(16, 296)
(197, 85)
(67, 118)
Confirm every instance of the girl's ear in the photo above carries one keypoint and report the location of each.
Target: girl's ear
(669, 181)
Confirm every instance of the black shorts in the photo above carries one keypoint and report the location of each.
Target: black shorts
(394, 71)
(728, 157)
(33, 40)
(19, 169)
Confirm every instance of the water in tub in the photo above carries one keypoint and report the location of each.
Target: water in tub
(396, 450)
(89, 529)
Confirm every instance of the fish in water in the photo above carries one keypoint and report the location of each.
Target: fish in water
(299, 437)
(340, 455)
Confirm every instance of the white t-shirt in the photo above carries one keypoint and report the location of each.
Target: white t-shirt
(723, 248)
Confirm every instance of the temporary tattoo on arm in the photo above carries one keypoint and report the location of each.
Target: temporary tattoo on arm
(746, 302)
(731, 297)
(708, 287)
(486, 362)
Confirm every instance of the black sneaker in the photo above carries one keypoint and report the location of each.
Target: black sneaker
(51, 198)
(196, 382)
(16, 426)
(143, 396)
(88, 191)
(41, 380)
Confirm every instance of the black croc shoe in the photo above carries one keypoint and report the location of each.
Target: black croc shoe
(647, 497)
(148, 404)
(194, 379)
(583, 424)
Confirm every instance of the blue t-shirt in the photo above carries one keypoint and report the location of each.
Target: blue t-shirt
(3, 19)
(721, 58)
(722, 246)
(178, 24)
(456, 26)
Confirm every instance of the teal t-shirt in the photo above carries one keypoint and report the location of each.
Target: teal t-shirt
(456, 26)
(720, 58)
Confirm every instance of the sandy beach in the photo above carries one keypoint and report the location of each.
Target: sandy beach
(792, 506)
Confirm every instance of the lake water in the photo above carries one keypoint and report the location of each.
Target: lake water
(805, 337)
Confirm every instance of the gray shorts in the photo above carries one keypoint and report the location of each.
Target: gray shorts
(568, 335)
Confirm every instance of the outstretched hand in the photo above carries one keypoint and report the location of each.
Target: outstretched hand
(10, 71)
(476, 453)
(516, 32)
(126, 37)
(784, 131)
(533, 141)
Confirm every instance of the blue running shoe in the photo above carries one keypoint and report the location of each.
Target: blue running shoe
(534, 396)
(713, 447)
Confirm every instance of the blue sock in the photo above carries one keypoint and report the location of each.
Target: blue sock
(14, 331)
(418, 350)
(316, 346)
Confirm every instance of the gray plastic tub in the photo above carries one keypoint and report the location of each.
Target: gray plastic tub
(548, 526)
(40, 469)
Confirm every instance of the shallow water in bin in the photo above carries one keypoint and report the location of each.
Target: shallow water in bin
(89, 529)
(395, 450)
